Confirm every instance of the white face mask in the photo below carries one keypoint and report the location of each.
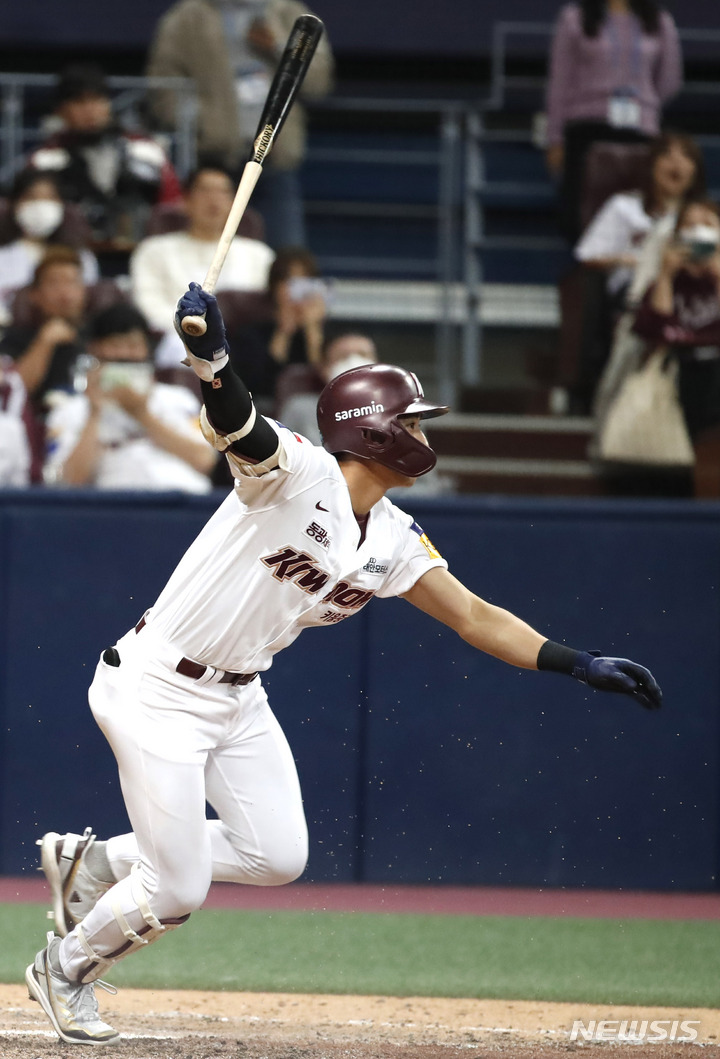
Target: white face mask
(699, 235)
(39, 218)
(353, 360)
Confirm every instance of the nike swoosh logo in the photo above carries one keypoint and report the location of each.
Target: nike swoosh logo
(320, 507)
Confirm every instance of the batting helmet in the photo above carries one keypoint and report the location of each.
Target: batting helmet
(359, 413)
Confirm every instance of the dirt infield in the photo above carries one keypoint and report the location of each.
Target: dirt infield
(191, 1025)
(159, 1024)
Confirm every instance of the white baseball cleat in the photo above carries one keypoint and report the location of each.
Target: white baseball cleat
(71, 1007)
(74, 890)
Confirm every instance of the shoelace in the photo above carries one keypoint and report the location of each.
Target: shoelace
(85, 1001)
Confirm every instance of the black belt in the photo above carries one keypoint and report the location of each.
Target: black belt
(195, 670)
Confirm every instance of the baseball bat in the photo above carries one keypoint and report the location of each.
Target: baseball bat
(289, 76)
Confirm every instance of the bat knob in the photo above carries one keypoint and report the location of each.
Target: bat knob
(194, 326)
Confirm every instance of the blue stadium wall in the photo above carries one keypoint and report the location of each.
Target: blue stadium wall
(421, 760)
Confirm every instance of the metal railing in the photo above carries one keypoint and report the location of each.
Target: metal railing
(461, 136)
(478, 187)
(447, 117)
(501, 81)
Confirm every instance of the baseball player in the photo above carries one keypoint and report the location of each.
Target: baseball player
(306, 538)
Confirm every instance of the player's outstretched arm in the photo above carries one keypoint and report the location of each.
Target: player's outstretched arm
(505, 636)
(230, 420)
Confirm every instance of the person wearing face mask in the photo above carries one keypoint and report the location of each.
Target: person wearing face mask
(613, 239)
(36, 219)
(231, 49)
(681, 312)
(121, 429)
(614, 64)
(613, 246)
(114, 175)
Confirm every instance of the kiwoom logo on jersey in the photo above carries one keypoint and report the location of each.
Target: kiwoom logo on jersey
(346, 596)
(355, 413)
(291, 565)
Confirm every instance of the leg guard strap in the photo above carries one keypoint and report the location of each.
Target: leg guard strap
(153, 929)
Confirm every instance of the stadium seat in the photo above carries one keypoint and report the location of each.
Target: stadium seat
(610, 168)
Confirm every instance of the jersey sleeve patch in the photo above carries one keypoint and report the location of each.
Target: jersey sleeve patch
(297, 437)
(426, 542)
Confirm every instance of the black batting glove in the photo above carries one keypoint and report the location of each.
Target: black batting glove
(196, 302)
(619, 675)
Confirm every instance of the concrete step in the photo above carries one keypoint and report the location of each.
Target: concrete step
(520, 477)
(515, 454)
(512, 305)
(534, 437)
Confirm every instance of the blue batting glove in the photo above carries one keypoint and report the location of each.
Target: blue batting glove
(197, 302)
(618, 674)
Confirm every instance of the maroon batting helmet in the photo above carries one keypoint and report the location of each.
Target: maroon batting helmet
(360, 411)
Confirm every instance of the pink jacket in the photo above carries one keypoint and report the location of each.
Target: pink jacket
(586, 71)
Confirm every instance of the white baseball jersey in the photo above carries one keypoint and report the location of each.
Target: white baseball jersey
(281, 554)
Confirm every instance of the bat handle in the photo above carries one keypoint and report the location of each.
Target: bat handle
(195, 325)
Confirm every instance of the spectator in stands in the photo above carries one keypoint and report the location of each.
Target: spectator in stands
(614, 64)
(114, 175)
(19, 431)
(124, 430)
(298, 387)
(681, 312)
(37, 218)
(613, 245)
(614, 237)
(46, 349)
(162, 265)
(230, 49)
(294, 331)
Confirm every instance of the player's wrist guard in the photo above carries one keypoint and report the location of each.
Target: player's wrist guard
(605, 674)
(207, 367)
(207, 354)
(558, 658)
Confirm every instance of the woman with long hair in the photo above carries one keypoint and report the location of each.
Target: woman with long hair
(613, 66)
(675, 171)
(622, 246)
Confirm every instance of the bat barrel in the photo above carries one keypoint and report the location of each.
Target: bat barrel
(289, 76)
(299, 50)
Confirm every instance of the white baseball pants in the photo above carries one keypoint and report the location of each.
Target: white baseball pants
(180, 742)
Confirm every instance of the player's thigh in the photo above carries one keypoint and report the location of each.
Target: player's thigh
(252, 782)
(160, 753)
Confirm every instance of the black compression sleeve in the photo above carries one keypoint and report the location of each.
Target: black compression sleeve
(229, 404)
(557, 657)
